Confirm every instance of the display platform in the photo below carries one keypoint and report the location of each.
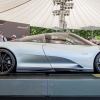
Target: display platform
(51, 85)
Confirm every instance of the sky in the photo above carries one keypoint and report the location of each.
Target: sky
(39, 13)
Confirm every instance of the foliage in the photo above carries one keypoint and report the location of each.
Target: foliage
(97, 37)
(40, 30)
(88, 34)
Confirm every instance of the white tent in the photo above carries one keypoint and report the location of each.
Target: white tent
(39, 13)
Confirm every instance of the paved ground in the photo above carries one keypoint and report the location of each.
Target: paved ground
(51, 76)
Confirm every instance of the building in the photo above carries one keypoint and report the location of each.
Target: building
(13, 28)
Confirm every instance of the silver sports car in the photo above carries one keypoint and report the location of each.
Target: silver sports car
(50, 52)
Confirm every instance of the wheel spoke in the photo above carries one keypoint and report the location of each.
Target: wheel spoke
(9, 65)
(4, 56)
(8, 62)
(98, 63)
(5, 62)
(6, 66)
(8, 58)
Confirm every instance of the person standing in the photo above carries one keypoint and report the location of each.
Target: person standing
(2, 38)
(13, 37)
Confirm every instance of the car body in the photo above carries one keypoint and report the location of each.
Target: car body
(49, 52)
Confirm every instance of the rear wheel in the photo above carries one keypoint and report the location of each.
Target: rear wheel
(97, 64)
(7, 62)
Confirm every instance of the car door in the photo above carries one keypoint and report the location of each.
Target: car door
(57, 52)
(64, 51)
(59, 56)
(31, 56)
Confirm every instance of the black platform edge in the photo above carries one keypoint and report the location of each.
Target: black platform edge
(47, 98)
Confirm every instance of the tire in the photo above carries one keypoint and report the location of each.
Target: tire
(97, 64)
(7, 62)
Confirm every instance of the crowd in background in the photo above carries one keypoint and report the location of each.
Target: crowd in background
(4, 39)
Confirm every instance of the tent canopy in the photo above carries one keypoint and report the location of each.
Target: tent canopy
(39, 13)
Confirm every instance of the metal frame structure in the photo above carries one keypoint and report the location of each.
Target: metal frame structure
(65, 7)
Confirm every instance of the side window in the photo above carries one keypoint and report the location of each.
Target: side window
(76, 40)
(69, 41)
(48, 38)
(37, 39)
(56, 39)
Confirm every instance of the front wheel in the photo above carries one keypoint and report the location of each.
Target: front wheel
(7, 62)
(97, 64)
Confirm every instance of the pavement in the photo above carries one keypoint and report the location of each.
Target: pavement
(51, 76)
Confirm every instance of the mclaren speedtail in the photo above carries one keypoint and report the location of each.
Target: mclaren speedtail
(50, 52)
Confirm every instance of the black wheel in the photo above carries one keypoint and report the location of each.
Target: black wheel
(7, 62)
(97, 64)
